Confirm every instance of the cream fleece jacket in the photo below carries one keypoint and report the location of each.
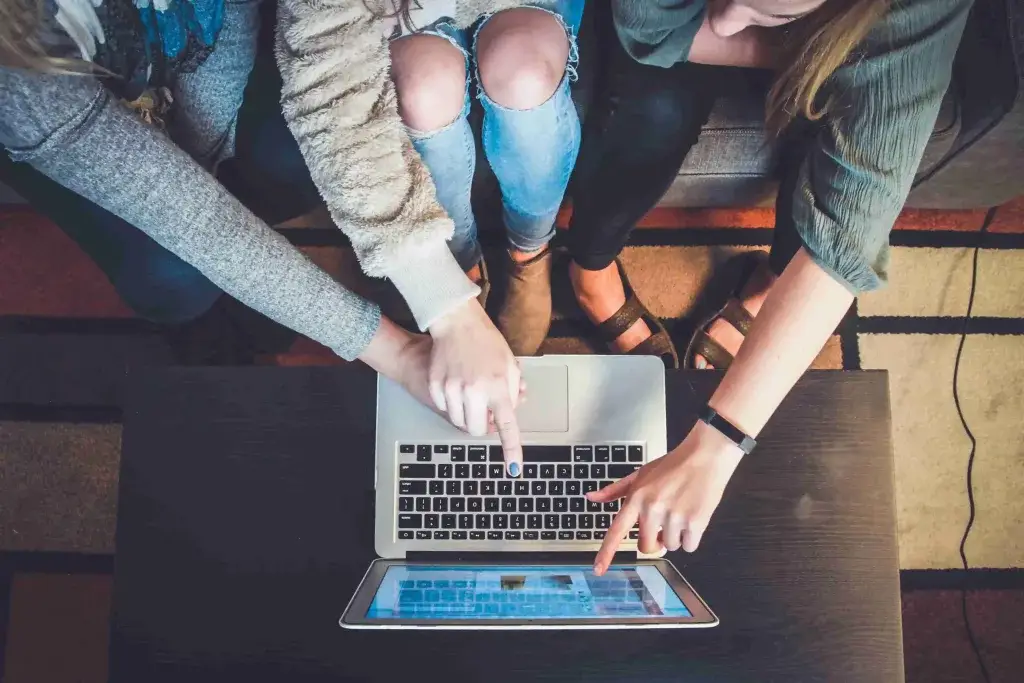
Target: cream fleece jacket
(341, 106)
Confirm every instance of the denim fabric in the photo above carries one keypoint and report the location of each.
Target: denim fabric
(532, 151)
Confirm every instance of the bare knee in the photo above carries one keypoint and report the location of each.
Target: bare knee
(430, 77)
(521, 54)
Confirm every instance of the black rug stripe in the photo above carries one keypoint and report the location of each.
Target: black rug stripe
(39, 562)
(956, 579)
(939, 325)
(849, 342)
(72, 414)
(5, 611)
(25, 324)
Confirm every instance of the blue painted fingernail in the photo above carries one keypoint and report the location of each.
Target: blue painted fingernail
(513, 469)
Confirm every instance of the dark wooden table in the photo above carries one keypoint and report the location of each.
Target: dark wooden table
(244, 526)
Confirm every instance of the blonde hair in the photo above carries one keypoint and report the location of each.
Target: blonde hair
(20, 47)
(823, 41)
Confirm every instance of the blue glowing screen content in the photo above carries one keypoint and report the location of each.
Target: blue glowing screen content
(524, 592)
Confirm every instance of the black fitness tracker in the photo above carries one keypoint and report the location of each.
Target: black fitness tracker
(710, 416)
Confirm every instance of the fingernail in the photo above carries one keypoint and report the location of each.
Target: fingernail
(513, 468)
(700, 364)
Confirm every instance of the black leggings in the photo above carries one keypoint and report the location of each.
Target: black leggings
(643, 122)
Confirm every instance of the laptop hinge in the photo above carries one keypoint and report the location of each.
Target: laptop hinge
(515, 558)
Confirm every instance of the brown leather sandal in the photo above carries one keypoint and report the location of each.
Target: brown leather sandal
(658, 344)
(733, 312)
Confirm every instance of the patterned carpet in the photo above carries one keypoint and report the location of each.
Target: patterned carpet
(65, 339)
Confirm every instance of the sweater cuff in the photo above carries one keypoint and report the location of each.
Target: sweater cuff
(432, 283)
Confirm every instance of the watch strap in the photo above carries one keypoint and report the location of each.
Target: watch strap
(744, 441)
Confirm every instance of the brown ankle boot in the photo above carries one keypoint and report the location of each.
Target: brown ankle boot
(525, 315)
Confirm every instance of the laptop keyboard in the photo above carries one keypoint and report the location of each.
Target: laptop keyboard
(463, 493)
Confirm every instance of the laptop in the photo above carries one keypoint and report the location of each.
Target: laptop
(465, 546)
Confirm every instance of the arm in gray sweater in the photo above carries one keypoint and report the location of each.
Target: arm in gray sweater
(73, 131)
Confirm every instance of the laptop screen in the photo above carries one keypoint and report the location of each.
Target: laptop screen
(524, 592)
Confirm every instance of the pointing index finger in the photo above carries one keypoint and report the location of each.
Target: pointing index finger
(623, 522)
(508, 431)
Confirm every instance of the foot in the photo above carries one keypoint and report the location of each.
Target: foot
(600, 294)
(752, 297)
(525, 315)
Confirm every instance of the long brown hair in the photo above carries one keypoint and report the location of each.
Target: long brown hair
(20, 47)
(823, 41)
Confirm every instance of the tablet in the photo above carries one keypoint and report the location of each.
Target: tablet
(641, 594)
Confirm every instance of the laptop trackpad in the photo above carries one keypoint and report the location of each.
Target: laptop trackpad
(547, 406)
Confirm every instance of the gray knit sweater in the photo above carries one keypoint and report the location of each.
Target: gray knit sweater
(855, 180)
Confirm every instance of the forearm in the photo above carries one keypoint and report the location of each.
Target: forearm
(800, 313)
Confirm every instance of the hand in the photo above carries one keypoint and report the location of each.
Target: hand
(672, 497)
(475, 378)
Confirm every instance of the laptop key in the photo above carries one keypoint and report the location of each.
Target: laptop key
(423, 504)
(445, 471)
(526, 504)
(568, 521)
(593, 507)
(477, 535)
(517, 521)
(522, 488)
(547, 471)
(471, 488)
(459, 535)
(418, 470)
(550, 521)
(583, 535)
(539, 488)
(407, 448)
(440, 448)
(474, 504)
(477, 453)
(422, 535)
(405, 535)
(636, 454)
(458, 454)
(457, 504)
(513, 535)
(585, 521)
(581, 471)
(547, 454)
(483, 521)
(495, 454)
(496, 471)
(564, 471)
(611, 506)
(412, 488)
(618, 454)
(530, 471)
(573, 488)
(583, 453)
(441, 535)
(532, 522)
(634, 534)
(487, 488)
(495, 535)
(556, 488)
(492, 504)
(620, 471)
(561, 504)
(440, 505)
(436, 488)
(543, 504)
(410, 521)
(479, 471)
(453, 488)
(465, 521)
(508, 504)
(462, 471)
(432, 521)
(499, 521)
(423, 453)
(504, 487)
(598, 471)
(548, 535)
(566, 535)
(602, 454)
(599, 535)
(604, 521)
(405, 504)
(589, 485)
(576, 504)
(448, 521)
(530, 535)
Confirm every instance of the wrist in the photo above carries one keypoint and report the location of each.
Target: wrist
(457, 318)
(707, 438)
(388, 349)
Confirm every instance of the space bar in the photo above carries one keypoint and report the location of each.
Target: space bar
(547, 454)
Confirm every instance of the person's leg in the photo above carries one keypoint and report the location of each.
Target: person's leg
(430, 74)
(638, 134)
(531, 133)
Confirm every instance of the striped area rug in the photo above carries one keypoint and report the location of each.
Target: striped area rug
(66, 338)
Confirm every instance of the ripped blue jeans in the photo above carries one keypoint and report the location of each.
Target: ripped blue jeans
(531, 151)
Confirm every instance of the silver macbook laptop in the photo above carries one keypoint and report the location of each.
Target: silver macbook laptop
(464, 545)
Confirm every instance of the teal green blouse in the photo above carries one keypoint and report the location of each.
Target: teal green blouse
(885, 100)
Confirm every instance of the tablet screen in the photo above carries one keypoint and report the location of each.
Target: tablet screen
(524, 592)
